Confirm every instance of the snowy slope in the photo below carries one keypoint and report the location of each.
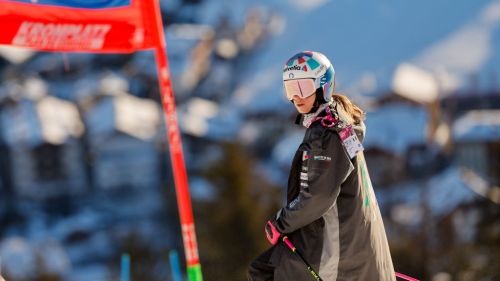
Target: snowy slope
(366, 42)
(369, 39)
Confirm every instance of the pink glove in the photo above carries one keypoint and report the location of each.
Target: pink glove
(272, 233)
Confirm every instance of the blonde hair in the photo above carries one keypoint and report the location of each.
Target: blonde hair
(352, 112)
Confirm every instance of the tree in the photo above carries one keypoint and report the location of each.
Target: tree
(231, 226)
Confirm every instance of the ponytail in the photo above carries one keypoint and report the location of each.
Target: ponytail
(353, 112)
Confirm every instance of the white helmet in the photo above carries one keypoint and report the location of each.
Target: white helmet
(312, 65)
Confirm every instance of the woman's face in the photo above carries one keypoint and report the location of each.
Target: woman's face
(304, 105)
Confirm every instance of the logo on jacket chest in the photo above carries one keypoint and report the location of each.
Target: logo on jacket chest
(306, 155)
(322, 158)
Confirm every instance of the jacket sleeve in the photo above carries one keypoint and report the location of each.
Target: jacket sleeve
(325, 167)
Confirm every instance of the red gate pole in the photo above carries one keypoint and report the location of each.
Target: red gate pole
(176, 155)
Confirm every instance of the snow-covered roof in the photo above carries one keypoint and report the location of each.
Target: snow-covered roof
(394, 127)
(477, 125)
(195, 115)
(414, 83)
(446, 191)
(31, 123)
(113, 83)
(59, 120)
(125, 113)
(204, 118)
(15, 55)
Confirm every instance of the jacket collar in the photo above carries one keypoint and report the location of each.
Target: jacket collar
(308, 118)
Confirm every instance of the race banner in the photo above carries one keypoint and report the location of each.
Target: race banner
(104, 26)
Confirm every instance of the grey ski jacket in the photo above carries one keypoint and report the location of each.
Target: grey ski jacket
(332, 215)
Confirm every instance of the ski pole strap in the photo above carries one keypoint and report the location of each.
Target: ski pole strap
(405, 277)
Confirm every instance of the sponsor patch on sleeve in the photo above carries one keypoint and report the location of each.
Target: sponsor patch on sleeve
(305, 155)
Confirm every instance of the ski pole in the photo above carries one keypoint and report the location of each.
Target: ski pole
(316, 276)
(405, 277)
(309, 267)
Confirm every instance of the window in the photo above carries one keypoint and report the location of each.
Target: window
(48, 160)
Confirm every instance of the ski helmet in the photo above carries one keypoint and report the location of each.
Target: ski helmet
(311, 65)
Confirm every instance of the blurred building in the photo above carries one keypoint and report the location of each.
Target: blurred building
(475, 131)
(392, 129)
(123, 142)
(43, 151)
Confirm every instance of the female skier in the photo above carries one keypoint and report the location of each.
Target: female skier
(331, 216)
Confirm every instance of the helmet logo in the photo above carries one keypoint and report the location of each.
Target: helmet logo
(306, 60)
(290, 75)
(321, 68)
(290, 68)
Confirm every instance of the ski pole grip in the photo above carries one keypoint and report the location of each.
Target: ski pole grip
(288, 243)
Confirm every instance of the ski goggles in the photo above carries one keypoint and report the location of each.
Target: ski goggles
(302, 88)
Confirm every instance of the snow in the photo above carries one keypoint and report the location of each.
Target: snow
(196, 114)
(125, 113)
(97, 246)
(394, 127)
(376, 53)
(35, 88)
(59, 120)
(137, 117)
(225, 126)
(364, 52)
(262, 92)
(446, 191)
(467, 50)
(481, 186)
(217, 122)
(113, 84)
(179, 44)
(86, 220)
(14, 54)
(40, 119)
(18, 259)
(309, 5)
(415, 83)
(477, 125)
(190, 32)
